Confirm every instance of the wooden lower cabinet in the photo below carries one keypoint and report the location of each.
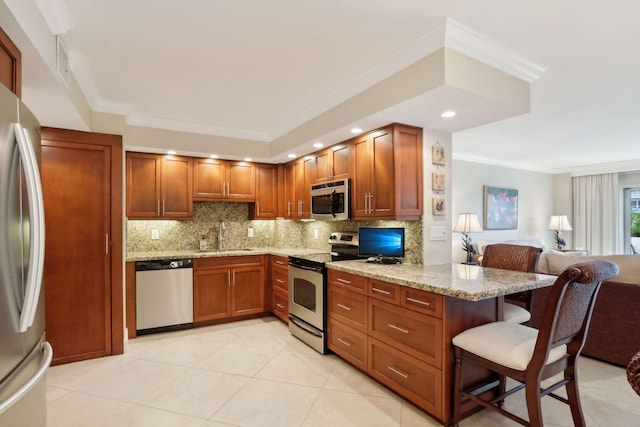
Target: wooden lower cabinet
(417, 381)
(280, 287)
(228, 287)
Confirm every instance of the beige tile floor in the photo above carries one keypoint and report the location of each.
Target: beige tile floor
(254, 373)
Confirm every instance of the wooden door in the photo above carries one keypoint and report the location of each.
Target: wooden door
(211, 294)
(241, 181)
(247, 285)
(383, 200)
(143, 185)
(208, 179)
(10, 64)
(266, 205)
(177, 187)
(83, 252)
(362, 177)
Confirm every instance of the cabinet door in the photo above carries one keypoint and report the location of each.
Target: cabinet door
(339, 166)
(177, 187)
(308, 178)
(362, 177)
(322, 166)
(247, 284)
(266, 205)
(211, 294)
(208, 179)
(143, 185)
(241, 181)
(10, 64)
(407, 152)
(290, 204)
(383, 201)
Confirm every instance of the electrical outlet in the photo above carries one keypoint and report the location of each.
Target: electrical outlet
(155, 234)
(438, 232)
(315, 233)
(250, 232)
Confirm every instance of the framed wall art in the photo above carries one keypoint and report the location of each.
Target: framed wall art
(500, 208)
(437, 181)
(437, 154)
(437, 206)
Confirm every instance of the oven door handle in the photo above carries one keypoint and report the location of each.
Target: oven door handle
(304, 267)
(304, 327)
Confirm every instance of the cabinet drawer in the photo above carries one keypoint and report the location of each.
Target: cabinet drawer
(422, 301)
(280, 306)
(348, 281)
(409, 377)
(279, 261)
(385, 291)
(348, 307)
(280, 280)
(348, 343)
(414, 333)
(227, 261)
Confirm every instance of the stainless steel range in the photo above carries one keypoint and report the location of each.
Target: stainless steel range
(308, 289)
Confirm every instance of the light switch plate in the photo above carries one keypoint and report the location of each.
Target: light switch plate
(438, 232)
(155, 234)
(250, 232)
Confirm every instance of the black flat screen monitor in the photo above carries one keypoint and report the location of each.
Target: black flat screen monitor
(383, 242)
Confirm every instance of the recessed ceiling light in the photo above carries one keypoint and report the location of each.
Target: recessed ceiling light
(248, 159)
(213, 156)
(171, 152)
(448, 114)
(291, 156)
(318, 145)
(356, 130)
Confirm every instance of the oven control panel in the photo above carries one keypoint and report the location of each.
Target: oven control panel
(344, 238)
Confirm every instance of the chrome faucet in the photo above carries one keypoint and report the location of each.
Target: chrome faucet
(221, 230)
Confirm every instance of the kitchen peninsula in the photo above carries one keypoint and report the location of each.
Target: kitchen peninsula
(396, 322)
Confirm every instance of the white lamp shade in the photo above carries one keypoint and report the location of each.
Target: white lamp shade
(467, 223)
(559, 223)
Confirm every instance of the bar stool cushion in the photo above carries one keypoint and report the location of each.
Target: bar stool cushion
(515, 314)
(506, 343)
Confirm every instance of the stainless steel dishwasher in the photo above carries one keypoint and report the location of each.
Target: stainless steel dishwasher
(164, 295)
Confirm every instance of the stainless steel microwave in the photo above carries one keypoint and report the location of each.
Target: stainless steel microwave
(330, 201)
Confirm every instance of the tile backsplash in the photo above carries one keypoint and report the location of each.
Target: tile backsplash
(207, 216)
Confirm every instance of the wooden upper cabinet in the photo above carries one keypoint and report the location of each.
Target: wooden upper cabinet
(266, 205)
(10, 64)
(224, 180)
(387, 174)
(298, 176)
(332, 163)
(159, 186)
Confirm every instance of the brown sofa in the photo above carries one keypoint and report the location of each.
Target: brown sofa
(614, 334)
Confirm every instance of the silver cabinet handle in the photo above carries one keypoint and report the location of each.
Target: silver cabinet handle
(279, 305)
(36, 232)
(163, 208)
(280, 262)
(300, 203)
(345, 342)
(398, 328)
(106, 243)
(288, 208)
(417, 301)
(397, 371)
(344, 307)
(348, 282)
(381, 291)
(257, 208)
(279, 280)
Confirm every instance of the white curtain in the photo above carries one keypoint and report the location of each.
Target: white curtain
(595, 213)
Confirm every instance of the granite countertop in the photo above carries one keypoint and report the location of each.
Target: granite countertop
(158, 255)
(468, 282)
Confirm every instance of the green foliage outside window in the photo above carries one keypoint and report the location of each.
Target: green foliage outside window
(635, 224)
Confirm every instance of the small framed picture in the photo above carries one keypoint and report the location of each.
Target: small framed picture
(437, 181)
(437, 154)
(437, 206)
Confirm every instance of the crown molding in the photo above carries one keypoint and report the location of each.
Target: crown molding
(179, 126)
(481, 48)
(55, 15)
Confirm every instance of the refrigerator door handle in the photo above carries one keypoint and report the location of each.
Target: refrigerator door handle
(27, 386)
(36, 232)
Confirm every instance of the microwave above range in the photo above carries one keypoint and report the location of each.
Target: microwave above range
(330, 201)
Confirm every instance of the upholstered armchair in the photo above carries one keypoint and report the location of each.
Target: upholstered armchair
(633, 372)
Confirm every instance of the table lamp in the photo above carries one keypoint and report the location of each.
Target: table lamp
(467, 223)
(559, 223)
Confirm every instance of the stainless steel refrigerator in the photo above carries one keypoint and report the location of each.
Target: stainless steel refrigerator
(24, 353)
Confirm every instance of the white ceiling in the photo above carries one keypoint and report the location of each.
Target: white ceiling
(266, 71)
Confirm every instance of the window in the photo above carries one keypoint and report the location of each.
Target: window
(632, 220)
